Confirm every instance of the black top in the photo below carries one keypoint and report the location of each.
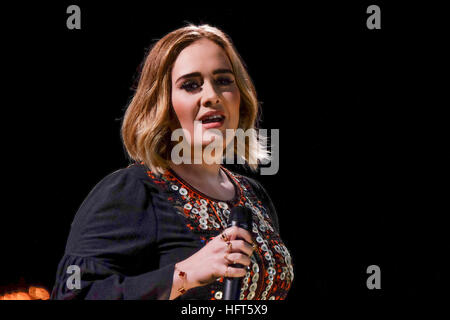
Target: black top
(134, 226)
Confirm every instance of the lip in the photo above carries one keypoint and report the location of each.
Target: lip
(213, 124)
(212, 113)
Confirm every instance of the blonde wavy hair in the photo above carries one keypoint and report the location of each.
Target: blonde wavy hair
(146, 132)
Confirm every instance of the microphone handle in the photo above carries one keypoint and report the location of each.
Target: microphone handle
(232, 287)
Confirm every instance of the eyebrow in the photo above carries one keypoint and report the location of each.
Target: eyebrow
(198, 74)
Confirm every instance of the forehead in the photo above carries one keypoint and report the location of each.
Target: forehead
(201, 56)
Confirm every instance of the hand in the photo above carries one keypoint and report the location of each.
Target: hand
(213, 260)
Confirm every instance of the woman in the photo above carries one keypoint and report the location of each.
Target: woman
(158, 228)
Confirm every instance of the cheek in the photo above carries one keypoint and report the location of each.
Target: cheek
(234, 101)
(184, 109)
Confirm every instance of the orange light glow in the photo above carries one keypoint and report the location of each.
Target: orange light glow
(34, 293)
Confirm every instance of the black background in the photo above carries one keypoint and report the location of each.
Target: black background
(362, 116)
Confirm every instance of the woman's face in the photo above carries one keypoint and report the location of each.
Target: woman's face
(204, 90)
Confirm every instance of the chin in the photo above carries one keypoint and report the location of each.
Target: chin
(213, 134)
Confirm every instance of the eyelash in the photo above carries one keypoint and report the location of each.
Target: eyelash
(188, 84)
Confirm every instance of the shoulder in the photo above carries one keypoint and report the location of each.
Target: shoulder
(124, 190)
(120, 206)
(125, 180)
(131, 174)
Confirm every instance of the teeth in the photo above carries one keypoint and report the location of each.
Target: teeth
(213, 117)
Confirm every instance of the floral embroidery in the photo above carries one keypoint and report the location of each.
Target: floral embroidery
(271, 271)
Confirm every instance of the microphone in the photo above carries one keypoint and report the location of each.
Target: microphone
(242, 218)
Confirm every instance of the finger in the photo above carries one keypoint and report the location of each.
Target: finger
(224, 236)
(240, 246)
(235, 257)
(231, 272)
(236, 232)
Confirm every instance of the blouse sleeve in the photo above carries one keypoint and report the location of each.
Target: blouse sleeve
(112, 244)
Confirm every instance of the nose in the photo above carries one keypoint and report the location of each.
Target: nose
(210, 96)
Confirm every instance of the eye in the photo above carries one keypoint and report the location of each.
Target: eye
(190, 85)
(224, 81)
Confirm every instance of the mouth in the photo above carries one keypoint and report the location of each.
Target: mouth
(212, 119)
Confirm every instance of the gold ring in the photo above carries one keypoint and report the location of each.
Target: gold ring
(230, 246)
(225, 237)
(254, 246)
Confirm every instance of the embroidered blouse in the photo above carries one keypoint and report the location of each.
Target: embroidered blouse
(134, 226)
